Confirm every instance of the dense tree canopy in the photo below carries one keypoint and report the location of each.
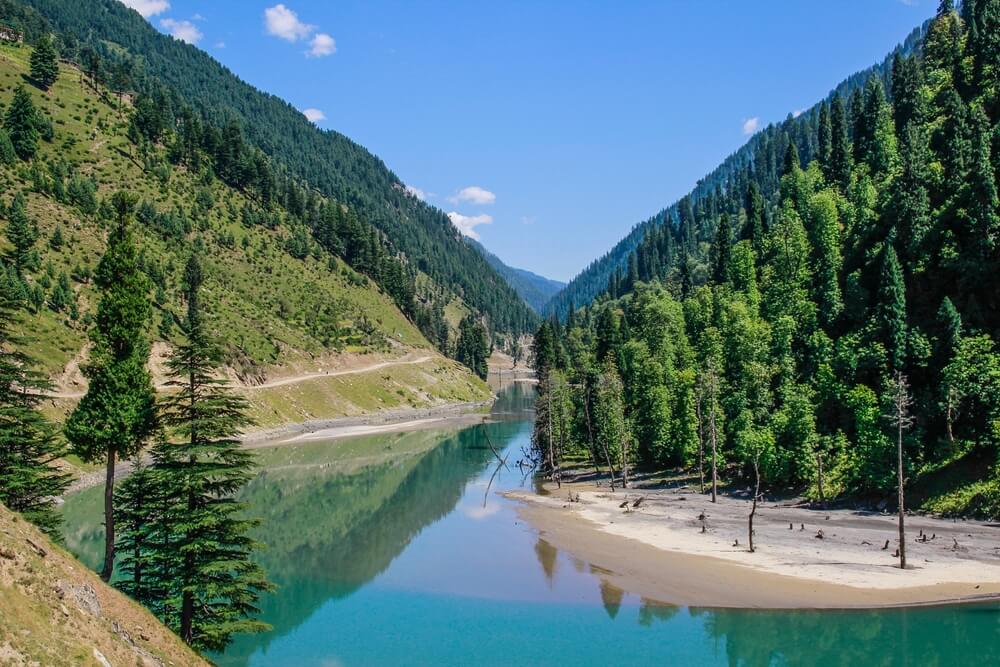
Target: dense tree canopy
(873, 257)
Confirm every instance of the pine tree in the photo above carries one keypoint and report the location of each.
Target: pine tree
(910, 197)
(825, 140)
(949, 331)
(907, 99)
(892, 308)
(117, 415)
(21, 124)
(753, 229)
(722, 250)
(7, 154)
(473, 348)
(956, 151)
(859, 137)
(214, 584)
(22, 234)
(44, 63)
(827, 261)
(983, 204)
(878, 147)
(144, 533)
(28, 441)
(840, 149)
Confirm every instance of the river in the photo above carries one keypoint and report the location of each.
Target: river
(396, 549)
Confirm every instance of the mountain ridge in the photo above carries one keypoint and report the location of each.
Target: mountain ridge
(330, 162)
(594, 279)
(535, 289)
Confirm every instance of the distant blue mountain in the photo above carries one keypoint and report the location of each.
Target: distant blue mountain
(536, 290)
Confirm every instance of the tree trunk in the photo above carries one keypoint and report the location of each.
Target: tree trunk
(552, 463)
(715, 472)
(624, 464)
(950, 418)
(590, 436)
(701, 439)
(753, 508)
(819, 460)
(899, 474)
(187, 617)
(109, 517)
(611, 468)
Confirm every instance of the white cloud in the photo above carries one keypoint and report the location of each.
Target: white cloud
(467, 224)
(750, 125)
(798, 112)
(220, 45)
(282, 22)
(417, 192)
(321, 45)
(182, 30)
(473, 194)
(314, 115)
(528, 220)
(148, 7)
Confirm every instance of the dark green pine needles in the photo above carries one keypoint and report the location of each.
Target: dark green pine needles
(44, 63)
(118, 413)
(187, 541)
(28, 441)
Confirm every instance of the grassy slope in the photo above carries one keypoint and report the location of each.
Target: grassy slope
(258, 296)
(55, 611)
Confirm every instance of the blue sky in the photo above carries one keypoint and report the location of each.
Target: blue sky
(548, 128)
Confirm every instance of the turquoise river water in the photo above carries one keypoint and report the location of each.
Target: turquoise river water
(396, 549)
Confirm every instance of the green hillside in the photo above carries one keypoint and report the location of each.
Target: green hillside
(759, 161)
(280, 302)
(132, 54)
(825, 322)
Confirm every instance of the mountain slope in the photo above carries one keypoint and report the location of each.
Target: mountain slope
(830, 325)
(536, 290)
(759, 159)
(278, 309)
(328, 161)
(56, 611)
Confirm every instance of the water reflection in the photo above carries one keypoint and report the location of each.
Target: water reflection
(396, 549)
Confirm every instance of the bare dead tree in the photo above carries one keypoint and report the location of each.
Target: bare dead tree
(819, 474)
(699, 391)
(503, 461)
(590, 433)
(951, 412)
(902, 420)
(552, 463)
(756, 496)
(713, 433)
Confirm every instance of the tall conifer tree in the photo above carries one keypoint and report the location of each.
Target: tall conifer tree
(44, 63)
(214, 585)
(117, 415)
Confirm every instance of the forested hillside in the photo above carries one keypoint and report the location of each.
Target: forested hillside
(812, 336)
(119, 47)
(536, 290)
(758, 161)
(281, 299)
(157, 274)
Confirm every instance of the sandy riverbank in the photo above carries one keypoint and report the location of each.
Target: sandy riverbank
(452, 415)
(659, 550)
